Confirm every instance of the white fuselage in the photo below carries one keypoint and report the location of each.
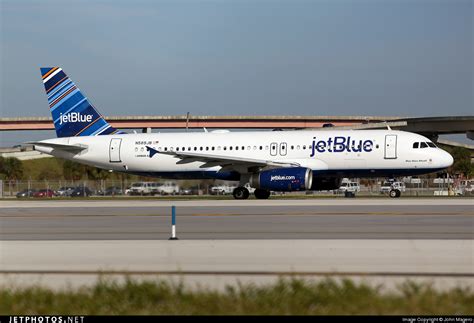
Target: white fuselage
(340, 153)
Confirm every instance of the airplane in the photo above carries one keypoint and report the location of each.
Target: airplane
(267, 160)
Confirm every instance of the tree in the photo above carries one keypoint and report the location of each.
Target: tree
(462, 161)
(12, 168)
(97, 173)
(49, 174)
(72, 170)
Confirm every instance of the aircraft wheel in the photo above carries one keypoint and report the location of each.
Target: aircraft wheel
(262, 194)
(395, 193)
(241, 193)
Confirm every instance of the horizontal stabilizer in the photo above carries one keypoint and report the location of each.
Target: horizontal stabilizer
(68, 148)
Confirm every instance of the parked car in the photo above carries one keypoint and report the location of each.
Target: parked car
(144, 188)
(394, 189)
(113, 190)
(45, 193)
(186, 191)
(81, 191)
(65, 191)
(465, 187)
(168, 188)
(26, 193)
(222, 189)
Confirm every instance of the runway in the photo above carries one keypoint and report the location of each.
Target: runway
(205, 219)
(378, 241)
(216, 263)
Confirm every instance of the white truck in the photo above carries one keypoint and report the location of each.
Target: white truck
(143, 188)
(353, 187)
(168, 188)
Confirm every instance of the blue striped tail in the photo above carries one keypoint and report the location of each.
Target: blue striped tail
(73, 114)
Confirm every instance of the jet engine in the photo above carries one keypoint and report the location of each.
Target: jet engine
(283, 179)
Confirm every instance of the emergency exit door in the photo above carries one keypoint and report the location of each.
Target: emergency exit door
(390, 146)
(114, 151)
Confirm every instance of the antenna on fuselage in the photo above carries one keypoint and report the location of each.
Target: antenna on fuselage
(388, 126)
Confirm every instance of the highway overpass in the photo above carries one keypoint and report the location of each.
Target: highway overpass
(429, 126)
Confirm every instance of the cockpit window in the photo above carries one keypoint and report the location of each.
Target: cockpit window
(424, 145)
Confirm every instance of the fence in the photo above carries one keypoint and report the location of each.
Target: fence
(412, 187)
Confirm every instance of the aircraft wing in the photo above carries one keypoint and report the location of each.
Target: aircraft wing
(68, 148)
(226, 162)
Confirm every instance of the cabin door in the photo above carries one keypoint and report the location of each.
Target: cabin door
(390, 146)
(114, 150)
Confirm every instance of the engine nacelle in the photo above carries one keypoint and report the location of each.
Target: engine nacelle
(283, 179)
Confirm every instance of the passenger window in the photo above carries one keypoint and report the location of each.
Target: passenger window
(415, 145)
(261, 147)
(230, 148)
(423, 145)
(243, 147)
(195, 148)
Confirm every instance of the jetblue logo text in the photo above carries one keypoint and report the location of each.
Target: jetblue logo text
(341, 144)
(74, 117)
(282, 178)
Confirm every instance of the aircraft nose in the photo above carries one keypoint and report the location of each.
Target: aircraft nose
(445, 159)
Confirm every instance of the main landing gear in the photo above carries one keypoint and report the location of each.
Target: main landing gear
(242, 193)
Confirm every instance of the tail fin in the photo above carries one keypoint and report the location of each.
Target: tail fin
(73, 114)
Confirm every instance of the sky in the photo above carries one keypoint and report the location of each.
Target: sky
(340, 57)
